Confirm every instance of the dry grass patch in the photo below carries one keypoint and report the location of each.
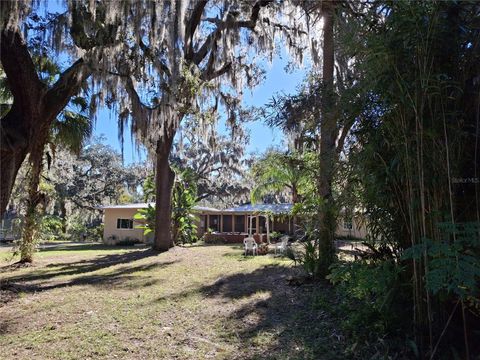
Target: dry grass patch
(189, 303)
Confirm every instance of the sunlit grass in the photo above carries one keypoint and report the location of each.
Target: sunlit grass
(91, 301)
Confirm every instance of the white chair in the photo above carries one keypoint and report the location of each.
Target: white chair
(282, 245)
(250, 244)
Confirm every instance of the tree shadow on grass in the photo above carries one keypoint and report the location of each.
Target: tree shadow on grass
(276, 320)
(266, 318)
(83, 266)
(83, 247)
(52, 276)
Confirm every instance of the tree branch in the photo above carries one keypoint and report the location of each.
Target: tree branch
(343, 135)
(18, 65)
(192, 26)
(216, 73)
(229, 23)
(69, 84)
(155, 59)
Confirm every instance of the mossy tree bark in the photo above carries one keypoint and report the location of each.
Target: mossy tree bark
(35, 198)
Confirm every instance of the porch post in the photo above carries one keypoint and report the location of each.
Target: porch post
(245, 223)
(221, 223)
(257, 225)
(233, 223)
(208, 223)
(268, 229)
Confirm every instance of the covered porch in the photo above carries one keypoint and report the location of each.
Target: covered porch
(234, 224)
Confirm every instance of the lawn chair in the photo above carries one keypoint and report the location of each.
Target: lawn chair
(282, 245)
(250, 244)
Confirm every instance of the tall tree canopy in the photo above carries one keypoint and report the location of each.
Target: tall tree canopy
(37, 101)
(189, 57)
(218, 161)
(155, 62)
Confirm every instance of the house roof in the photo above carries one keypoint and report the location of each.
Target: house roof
(270, 208)
(145, 205)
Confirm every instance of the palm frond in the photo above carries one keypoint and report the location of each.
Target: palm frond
(72, 131)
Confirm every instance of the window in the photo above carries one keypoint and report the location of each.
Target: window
(227, 223)
(240, 223)
(124, 224)
(214, 223)
(347, 224)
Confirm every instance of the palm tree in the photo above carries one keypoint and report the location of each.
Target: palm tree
(278, 172)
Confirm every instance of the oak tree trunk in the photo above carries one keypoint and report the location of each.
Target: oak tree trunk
(164, 179)
(34, 107)
(13, 150)
(30, 227)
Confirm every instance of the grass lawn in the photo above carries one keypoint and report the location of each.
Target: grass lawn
(92, 301)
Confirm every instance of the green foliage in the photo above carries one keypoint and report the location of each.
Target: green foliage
(51, 228)
(149, 188)
(72, 130)
(79, 231)
(274, 235)
(453, 261)
(375, 287)
(278, 173)
(314, 257)
(309, 255)
(146, 218)
(184, 198)
(415, 134)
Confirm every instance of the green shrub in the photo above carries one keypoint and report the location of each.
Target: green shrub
(373, 291)
(81, 232)
(453, 263)
(215, 240)
(51, 228)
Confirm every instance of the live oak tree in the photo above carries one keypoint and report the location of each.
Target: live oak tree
(78, 184)
(177, 56)
(155, 62)
(36, 104)
(217, 161)
(70, 130)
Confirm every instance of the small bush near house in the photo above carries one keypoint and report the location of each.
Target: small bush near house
(82, 232)
(51, 228)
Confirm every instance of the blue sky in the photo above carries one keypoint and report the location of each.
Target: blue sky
(277, 80)
(261, 136)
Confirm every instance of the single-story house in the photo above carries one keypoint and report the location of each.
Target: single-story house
(120, 225)
(229, 225)
(233, 224)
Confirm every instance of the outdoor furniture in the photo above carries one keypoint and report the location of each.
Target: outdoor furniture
(250, 244)
(282, 245)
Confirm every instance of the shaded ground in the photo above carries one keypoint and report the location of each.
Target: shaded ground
(91, 301)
